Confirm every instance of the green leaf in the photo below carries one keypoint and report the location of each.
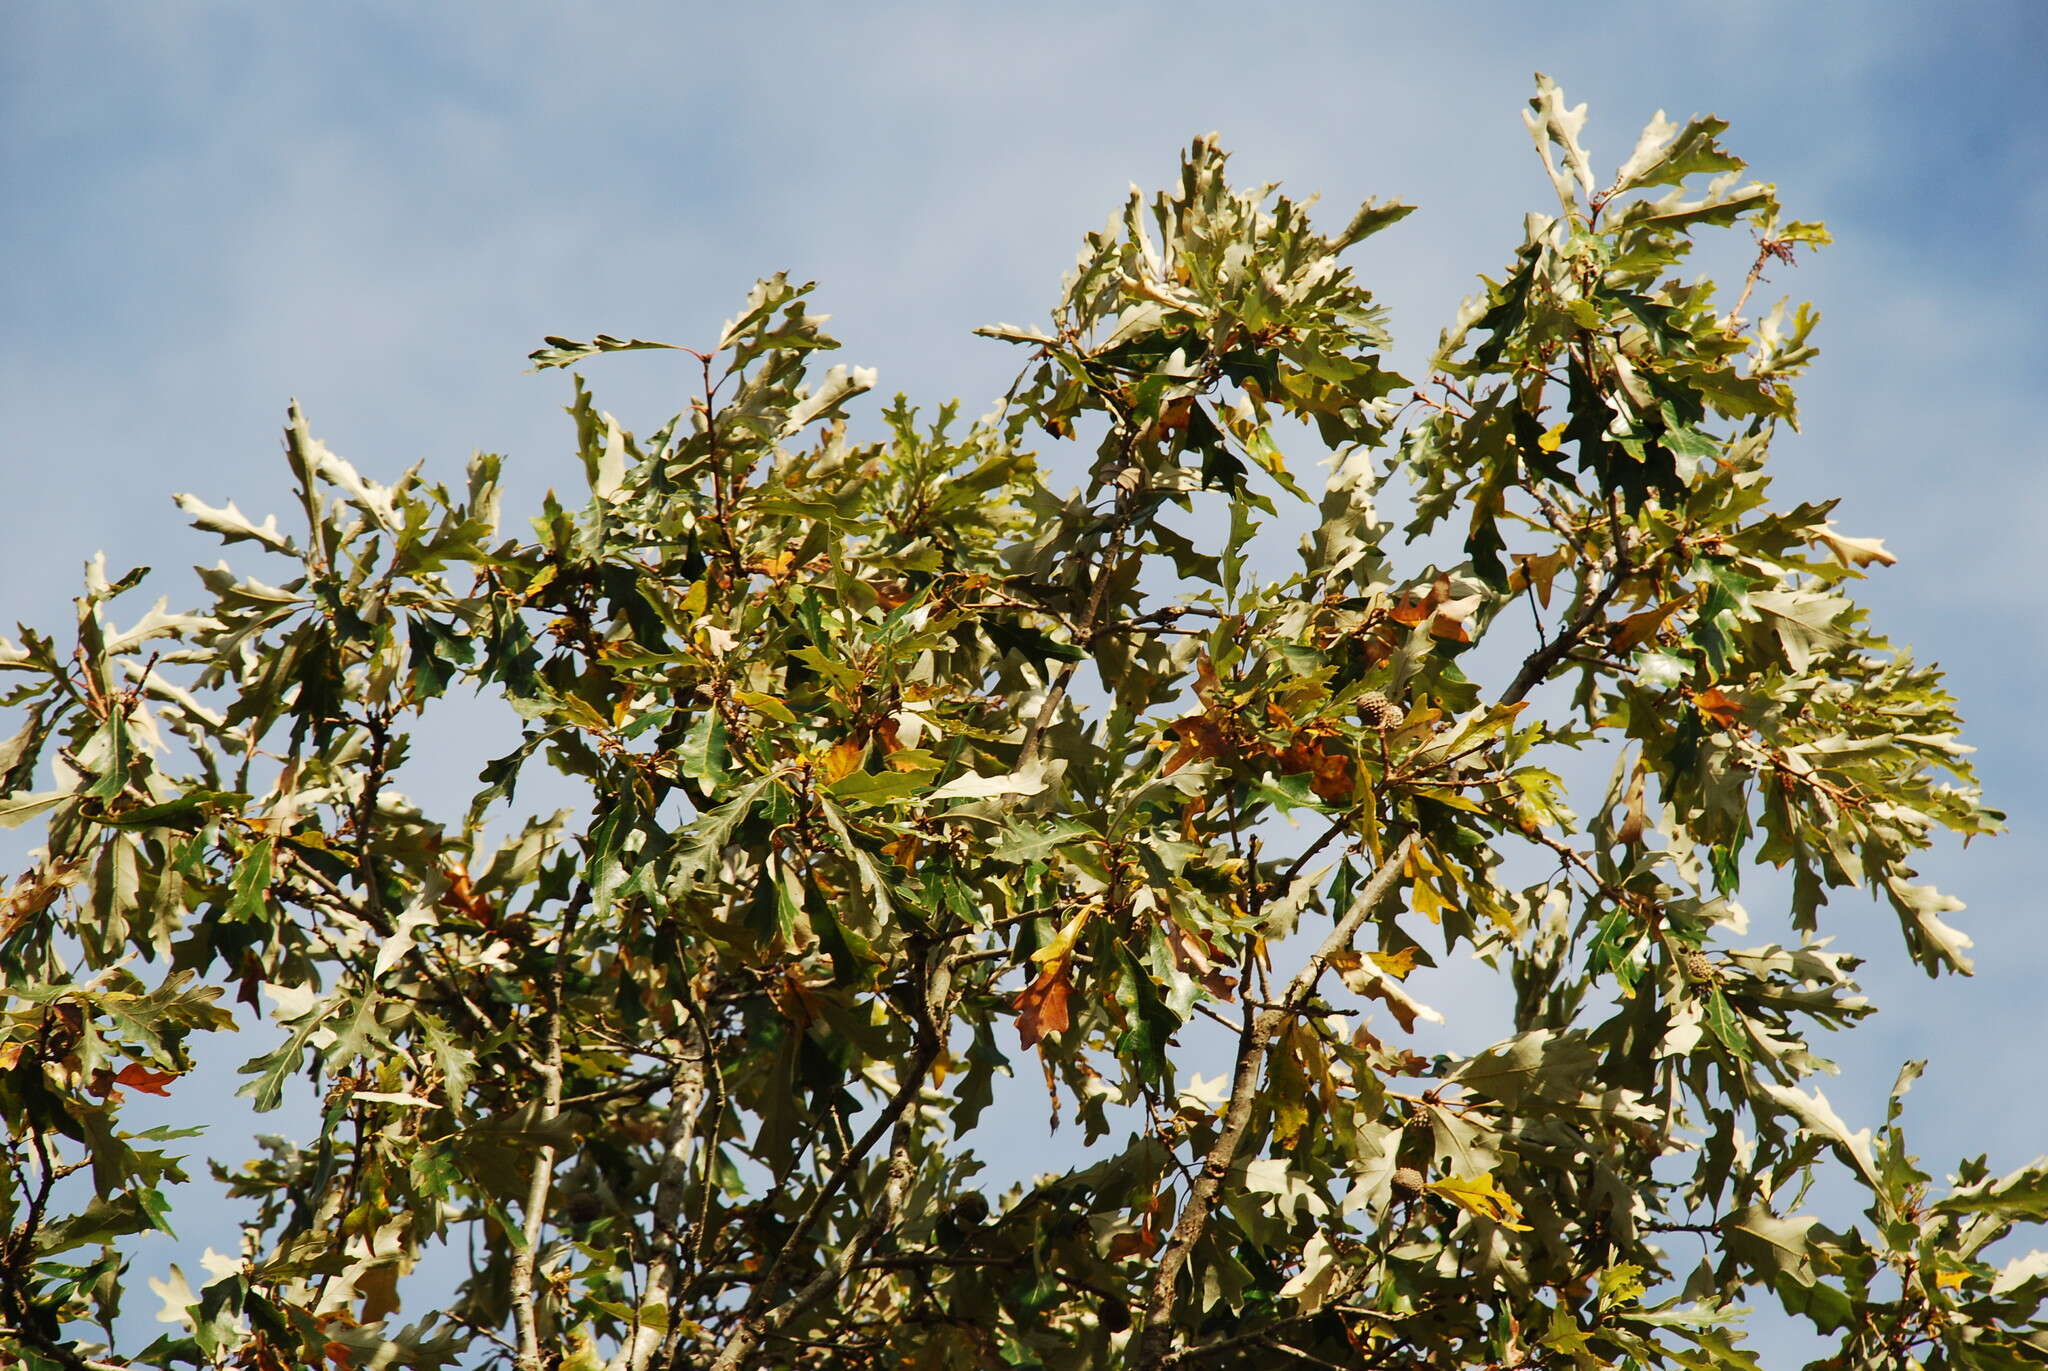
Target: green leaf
(562, 352)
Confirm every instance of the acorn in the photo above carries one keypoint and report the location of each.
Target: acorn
(1379, 713)
(1408, 1182)
(1698, 966)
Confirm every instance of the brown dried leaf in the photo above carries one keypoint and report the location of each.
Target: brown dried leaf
(1042, 1007)
(1631, 831)
(1637, 629)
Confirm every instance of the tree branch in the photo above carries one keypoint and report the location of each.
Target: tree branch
(1540, 663)
(1156, 1337)
(679, 1141)
(758, 1318)
(525, 1313)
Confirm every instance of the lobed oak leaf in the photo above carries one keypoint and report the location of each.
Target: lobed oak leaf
(1482, 1196)
(1200, 739)
(1396, 964)
(1329, 773)
(1199, 958)
(1445, 615)
(1717, 707)
(839, 761)
(1853, 552)
(1042, 1006)
(135, 1076)
(1636, 629)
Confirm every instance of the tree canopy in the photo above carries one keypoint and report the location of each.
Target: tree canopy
(896, 770)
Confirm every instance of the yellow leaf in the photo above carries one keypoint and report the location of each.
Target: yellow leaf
(776, 567)
(1950, 1280)
(1451, 799)
(1553, 438)
(839, 761)
(541, 580)
(1395, 964)
(1428, 903)
(1621, 1283)
(1479, 1195)
(1056, 953)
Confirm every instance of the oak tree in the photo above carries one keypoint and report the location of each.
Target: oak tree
(894, 770)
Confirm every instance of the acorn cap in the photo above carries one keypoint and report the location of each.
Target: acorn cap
(1379, 713)
(1408, 1181)
(1697, 965)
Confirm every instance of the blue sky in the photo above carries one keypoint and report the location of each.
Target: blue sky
(380, 208)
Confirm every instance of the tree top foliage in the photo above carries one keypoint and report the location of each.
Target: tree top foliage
(895, 771)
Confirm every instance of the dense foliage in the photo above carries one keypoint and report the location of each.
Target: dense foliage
(896, 770)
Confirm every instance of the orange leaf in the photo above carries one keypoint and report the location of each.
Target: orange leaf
(1199, 738)
(1042, 1007)
(904, 850)
(136, 1076)
(1331, 778)
(462, 894)
(1540, 572)
(792, 997)
(1638, 629)
(1443, 613)
(1718, 707)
